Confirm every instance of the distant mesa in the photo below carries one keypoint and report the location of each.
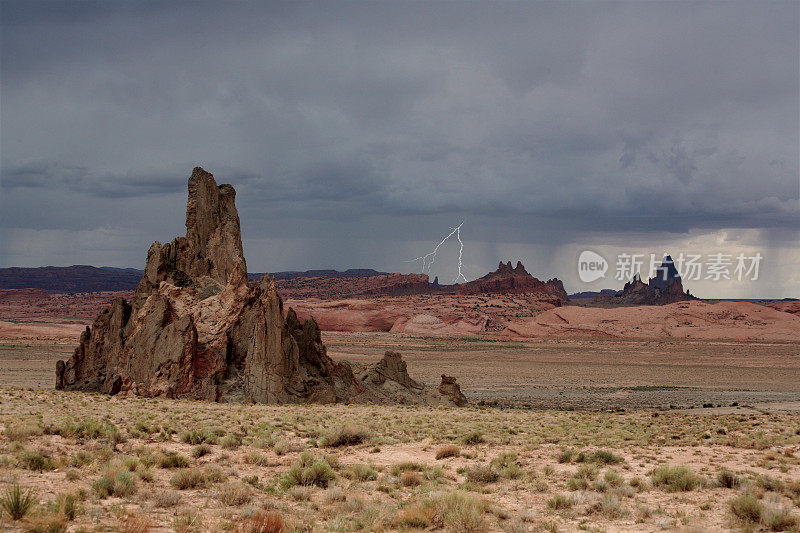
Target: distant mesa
(664, 288)
(195, 328)
(515, 280)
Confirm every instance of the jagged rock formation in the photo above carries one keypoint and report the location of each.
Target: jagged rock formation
(195, 328)
(515, 280)
(449, 387)
(664, 288)
(387, 381)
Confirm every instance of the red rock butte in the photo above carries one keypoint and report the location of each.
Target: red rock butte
(194, 328)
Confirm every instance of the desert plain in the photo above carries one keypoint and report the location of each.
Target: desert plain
(565, 431)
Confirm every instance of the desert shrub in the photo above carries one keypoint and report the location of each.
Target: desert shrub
(300, 493)
(586, 472)
(201, 450)
(22, 431)
(332, 494)
(507, 465)
(16, 502)
(263, 523)
(308, 470)
(90, 428)
(362, 472)
(184, 523)
(727, 479)
(230, 442)
(283, 446)
(80, 458)
(410, 479)
(65, 505)
(675, 478)
(566, 455)
(613, 479)
(605, 457)
(481, 474)
(472, 438)
(36, 461)
(770, 483)
(347, 435)
(258, 459)
(172, 460)
(115, 482)
(46, 524)
(559, 502)
(134, 523)
(214, 473)
(747, 507)
(457, 511)
(778, 517)
(577, 483)
(234, 494)
(166, 498)
(415, 515)
(187, 479)
(610, 506)
(450, 450)
(196, 436)
(406, 466)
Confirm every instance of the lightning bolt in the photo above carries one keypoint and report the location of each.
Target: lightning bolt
(430, 258)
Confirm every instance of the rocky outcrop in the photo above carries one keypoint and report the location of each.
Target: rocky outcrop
(664, 288)
(449, 388)
(194, 328)
(387, 381)
(515, 280)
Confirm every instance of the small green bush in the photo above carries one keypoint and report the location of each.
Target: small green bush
(747, 507)
(676, 478)
(347, 435)
(187, 479)
(309, 471)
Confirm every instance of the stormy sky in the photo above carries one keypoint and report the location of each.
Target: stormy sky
(357, 133)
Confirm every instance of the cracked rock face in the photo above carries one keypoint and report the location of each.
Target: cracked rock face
(195, 329)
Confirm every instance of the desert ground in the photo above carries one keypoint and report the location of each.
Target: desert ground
(564, 433)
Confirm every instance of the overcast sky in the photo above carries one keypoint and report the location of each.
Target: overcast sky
(357, 133)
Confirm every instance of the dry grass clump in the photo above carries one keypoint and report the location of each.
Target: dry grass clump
(416, 515)
(115, 481)
(676, 478)
(36, 461)
(450, 450)
(362, 472)
(234, 494)
(560, 501)
(481, 474)
(772, 515)
(457, 511)
(166, 498)
(263, 523)
(410, 479)
(309, 471)
(134, 523)
(201, 450)
(610, 506)
(727, 479)
(90, 428)
(188, 478)
(172, 460)
(347, 435)
(473, 437)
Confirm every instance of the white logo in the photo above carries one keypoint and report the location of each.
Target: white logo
(591, 266)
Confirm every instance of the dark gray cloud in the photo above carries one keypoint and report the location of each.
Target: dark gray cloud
(345, 126)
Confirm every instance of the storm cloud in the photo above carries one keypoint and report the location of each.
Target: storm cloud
(356, 133)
